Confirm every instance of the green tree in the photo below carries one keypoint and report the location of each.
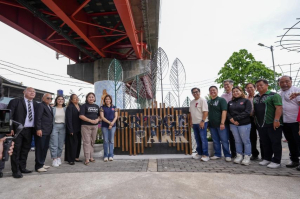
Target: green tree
(242, 68)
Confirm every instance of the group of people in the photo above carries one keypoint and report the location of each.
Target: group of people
(54, 127)
(234, 119)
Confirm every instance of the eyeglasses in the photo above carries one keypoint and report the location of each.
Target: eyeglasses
(49, 98)
(195, 92)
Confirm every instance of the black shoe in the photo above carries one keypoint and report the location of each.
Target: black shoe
(25, 171)
(78, 160)
(17, 175)
(1, 174)
(71, 163)
(298, 168)
(254, 158)
(292, 165)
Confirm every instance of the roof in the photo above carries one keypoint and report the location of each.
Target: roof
(15, 84)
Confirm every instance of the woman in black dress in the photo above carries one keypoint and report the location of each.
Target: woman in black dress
(73, 128)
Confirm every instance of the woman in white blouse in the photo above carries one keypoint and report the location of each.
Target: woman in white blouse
(57, 138)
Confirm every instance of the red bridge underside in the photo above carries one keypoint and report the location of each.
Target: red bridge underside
(73, 15)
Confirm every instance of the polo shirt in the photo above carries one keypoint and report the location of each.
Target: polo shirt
(264, 108)
(215, 108)
(196, 109)
(290, 107)
(109, 114)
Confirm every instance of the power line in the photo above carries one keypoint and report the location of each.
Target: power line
(37, 70)
(43, 79)
(42, 75)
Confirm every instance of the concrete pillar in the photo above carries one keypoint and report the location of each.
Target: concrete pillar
(105, 87)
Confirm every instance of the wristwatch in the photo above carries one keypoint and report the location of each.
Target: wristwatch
(276, 120)
(202, 121)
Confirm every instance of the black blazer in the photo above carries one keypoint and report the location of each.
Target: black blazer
(73, 123)
(44, 118)
(19, 110)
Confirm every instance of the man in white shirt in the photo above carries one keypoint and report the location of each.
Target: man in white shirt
(198, 113)
(290, 113)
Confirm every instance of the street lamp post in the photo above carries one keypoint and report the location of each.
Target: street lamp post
(271, 48)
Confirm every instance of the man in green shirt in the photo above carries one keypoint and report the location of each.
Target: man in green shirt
(217, 110)
(267, 112)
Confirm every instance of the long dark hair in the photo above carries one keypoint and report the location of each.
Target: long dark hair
(55, 101)
(109, 98)
(70, 101)
(86, 97)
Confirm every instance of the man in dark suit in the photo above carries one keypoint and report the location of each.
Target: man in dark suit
(23, 111)
(43, 125)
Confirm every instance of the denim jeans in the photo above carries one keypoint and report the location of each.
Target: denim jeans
(201, 139)
(108, 136)
(242, 137)
(220, 137)
(57, 140)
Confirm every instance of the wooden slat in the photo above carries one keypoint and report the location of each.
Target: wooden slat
(190, 136)
(134, 144)
(142, 139)
(126, 133)
(182, 145)
(161, 116)
(138, 144)
(119, 133)
(186, 137)
(122, 133)
(173, 128)
(168, 111)
(146, 128)
(149, 128)
(130, 137)
(176, 116)
(156, 113)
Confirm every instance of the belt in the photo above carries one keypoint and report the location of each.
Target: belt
(28, 127)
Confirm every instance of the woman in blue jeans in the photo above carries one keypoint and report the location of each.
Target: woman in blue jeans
(109, 116)
(239, 110)
(57, 138)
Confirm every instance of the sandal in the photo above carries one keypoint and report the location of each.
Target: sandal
(78, 160)
(86, 163)
(92, 160)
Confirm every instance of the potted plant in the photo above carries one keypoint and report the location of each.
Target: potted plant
(98, 146)
(211, 150)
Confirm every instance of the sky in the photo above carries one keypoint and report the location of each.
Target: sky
(202, 34)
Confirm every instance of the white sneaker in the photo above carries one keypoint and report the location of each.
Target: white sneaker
(42, 170)
(273, 165)
(246, 160)
(204, 158)
(55, 163)
(105, 159)
(58, 161)
(32, 149)
(110, 159)
(46, 167)
(228, 159)
(238, 159)
(214, 157)
(264, 163)
(197, 157)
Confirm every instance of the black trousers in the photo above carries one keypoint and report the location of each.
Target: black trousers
(2, 165)
(71, 146)
(231, 142)
(78, 144)
(41, 149)
(271, 143)
(21, 150)
(291, 133)
(253, 140)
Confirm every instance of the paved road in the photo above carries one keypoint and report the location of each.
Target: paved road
(154, 178)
